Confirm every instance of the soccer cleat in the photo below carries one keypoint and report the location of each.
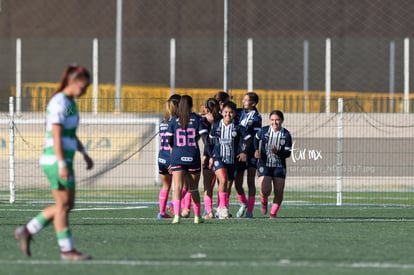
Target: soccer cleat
(21, 234)
(241, 211)
(197, 220)
(208, 216)
(185, 213)
(165, 216)
(74, 255)
(223, 213)
(249, 215)
(263, 208)
(170, 208)
(272, 216)
(176, 219)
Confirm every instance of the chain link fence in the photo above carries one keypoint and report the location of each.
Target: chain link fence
(300, 56)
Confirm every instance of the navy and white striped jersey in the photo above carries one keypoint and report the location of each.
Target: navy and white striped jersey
(281, 140)
(251, 122)
(185, 149)
(226, 140)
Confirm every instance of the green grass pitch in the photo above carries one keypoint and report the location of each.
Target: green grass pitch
(302, 240)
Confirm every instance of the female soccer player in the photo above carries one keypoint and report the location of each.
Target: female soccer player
(57, 163)
(222, 97)
(184, 131)
(226, 136)
(164, 161)
(211, 114)
(250, 119)
(272, 154)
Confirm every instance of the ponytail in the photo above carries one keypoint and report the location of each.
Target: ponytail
(72, 71)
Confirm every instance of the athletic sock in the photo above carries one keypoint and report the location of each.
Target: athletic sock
(163, 198)
(187, 201)
(242, 199)
(65, 240)
(223, 198)
(36, 224)
(208, 204)
(264, 200)
(176, 205)
(196, 207)
(183, 193)
(250, 203)
(275, 209)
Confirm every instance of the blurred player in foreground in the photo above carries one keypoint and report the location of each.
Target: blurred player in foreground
(57, 163)
(276, 145)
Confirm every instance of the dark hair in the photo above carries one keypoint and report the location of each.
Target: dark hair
(73, 71)
(253, 97)
(184, 110)
(231, 105)
(172, 107)
(213, 106)
(278, 113)
(222, 96)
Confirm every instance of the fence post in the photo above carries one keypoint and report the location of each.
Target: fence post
(11, 150)
(328, 75)
(305, 74)
(250, 64)
(118, 57)
(406, 75)
(95, 62)
(339, 152)
(18, 76)
(226, 51)
(172, 65)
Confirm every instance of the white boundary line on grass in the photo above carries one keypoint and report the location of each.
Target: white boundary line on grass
(209, 263)
(81, 209)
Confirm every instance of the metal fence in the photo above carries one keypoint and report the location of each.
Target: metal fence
(337, 158)
(326, 45)
(300, 56)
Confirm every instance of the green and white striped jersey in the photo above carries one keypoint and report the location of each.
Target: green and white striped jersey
(61, 110)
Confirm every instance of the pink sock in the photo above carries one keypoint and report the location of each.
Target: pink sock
(275, 209)
(250, 203)
(183, 192)
(196, 207)
(264, 200)
(228, 200)
(176, 205)
(186, 201)
(242, 198)
(208, 204)
(163, 198)
(223, 198)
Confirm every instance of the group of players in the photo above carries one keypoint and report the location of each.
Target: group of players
(234, 142)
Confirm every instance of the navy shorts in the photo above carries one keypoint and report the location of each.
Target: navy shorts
(192, 169)
(163, 166)
(273, 172)
(251, 162)
(230, 168)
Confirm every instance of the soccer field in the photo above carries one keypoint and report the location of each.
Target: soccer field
(302, 240)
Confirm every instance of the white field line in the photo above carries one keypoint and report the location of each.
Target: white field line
(316, 219)
(81, 209)
(221, 264)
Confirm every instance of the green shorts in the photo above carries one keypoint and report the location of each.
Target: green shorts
(52, 173)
